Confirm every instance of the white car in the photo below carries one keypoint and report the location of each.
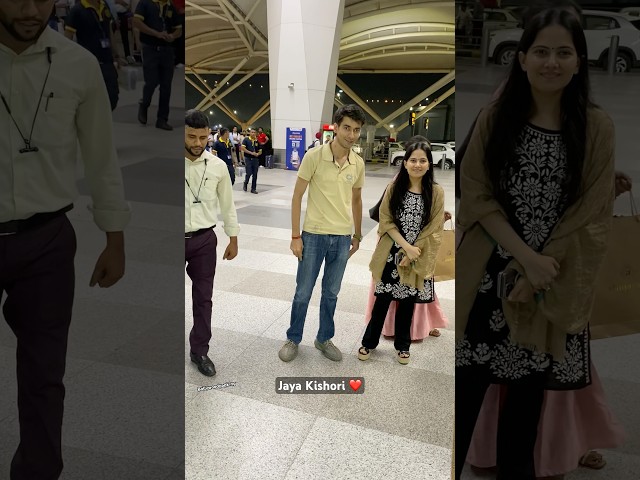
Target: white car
(440, 151)
(599, 27)
(498, 18)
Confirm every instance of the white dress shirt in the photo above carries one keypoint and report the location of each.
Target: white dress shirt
(209, 183)
(74, 111)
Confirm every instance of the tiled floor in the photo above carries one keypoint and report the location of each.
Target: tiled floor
(616, 359)
(247, 431)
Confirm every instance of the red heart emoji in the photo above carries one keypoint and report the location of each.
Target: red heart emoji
(355, 384)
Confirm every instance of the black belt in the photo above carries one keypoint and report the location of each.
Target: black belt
(16, 226)
(198, 232)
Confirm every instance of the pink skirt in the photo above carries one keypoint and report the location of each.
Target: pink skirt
(572, 423)
(426, 317)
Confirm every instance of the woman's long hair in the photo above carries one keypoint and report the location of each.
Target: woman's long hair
(402, 183)
(513, 108)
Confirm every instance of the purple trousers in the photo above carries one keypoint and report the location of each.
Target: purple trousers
(37, 279)
(200, 258)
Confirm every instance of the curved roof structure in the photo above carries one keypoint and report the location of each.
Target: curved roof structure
(377, 35)
(229, 39)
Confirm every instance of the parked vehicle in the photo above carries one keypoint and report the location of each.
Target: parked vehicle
(498, 18)
(599, 27)
(440, 151)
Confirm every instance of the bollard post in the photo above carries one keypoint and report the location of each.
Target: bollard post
(613, 54)
(484, 46)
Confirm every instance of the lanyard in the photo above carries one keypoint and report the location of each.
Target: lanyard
(27, 141)
(202, 179)
(99, 19)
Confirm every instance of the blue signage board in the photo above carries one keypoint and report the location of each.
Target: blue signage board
(295, 147)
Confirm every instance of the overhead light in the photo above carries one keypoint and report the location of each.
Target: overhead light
(235, 111)
(210, 112)
(205, 80)
(340, 91)
(410, 108)
(391, 126)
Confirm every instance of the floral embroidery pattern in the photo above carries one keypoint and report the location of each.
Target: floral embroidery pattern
(411, 224)
(538, 201)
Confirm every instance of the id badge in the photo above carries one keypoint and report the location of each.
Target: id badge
(229, 157)
(105, 43)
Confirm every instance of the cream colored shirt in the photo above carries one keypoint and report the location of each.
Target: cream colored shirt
(210, 184)
(74, 111)
(330, 191)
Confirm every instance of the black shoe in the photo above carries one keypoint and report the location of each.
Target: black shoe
(254, 191)
(142, 114)
(244, 187)
(163, 125)
(205, 365)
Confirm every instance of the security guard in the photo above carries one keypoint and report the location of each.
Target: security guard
(159, 25)
(224, 151)
(92, 24)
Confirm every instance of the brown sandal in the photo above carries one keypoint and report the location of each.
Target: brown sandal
(434, 333)
(592, 460)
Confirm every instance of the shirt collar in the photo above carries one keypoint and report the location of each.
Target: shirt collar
(327, 153)
(86, 4)
(198, 160)
(49, 38)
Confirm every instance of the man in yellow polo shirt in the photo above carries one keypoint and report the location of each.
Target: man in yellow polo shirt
(335, 176)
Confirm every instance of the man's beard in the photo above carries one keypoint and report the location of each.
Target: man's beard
(9, 27)
(191, 152)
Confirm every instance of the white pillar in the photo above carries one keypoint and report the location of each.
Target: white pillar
(304, 45)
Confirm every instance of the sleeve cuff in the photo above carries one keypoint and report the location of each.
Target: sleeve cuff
(70, 29)
(232, 231)
(111, 220)
(137, 15)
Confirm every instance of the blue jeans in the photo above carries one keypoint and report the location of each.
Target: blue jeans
(334, 251)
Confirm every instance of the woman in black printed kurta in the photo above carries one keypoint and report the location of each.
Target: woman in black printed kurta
(525, 168)
(410, 200)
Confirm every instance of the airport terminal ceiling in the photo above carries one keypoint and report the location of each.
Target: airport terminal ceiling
(378, 37)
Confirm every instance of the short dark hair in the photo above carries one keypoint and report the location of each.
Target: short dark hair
(354, 112)
(223, 130)
(196, 119)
